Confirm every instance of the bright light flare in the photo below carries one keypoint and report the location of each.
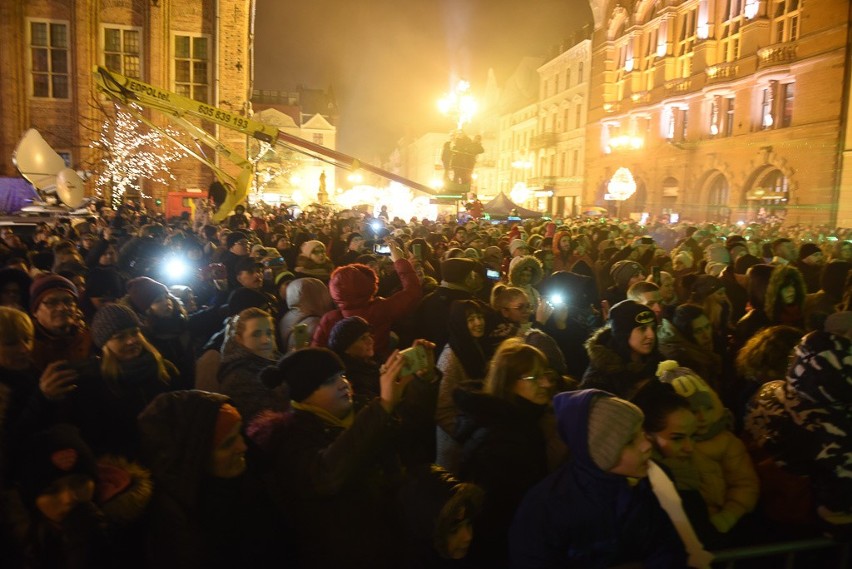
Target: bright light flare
(175, 268)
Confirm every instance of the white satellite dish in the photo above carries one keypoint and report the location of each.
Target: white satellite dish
(37, 161)
(69, 188)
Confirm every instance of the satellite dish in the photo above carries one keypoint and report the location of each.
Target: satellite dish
(37, 161)
(69, 188)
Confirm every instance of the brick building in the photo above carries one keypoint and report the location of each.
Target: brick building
(721, 109)
(198, 48)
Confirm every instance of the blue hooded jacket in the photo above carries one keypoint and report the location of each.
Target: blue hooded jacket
(581, 516)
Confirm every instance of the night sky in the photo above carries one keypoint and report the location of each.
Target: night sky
(389, 61)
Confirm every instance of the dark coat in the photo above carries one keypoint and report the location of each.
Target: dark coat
(504, 452)
(239, 379)
(609, 371)
(581, 516)
(431, 319)
(675, 346)
(337, 485)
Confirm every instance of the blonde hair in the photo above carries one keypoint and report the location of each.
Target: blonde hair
(501, 295)
(237, 325)
(15, 326)
(111, 367)
(511, 361)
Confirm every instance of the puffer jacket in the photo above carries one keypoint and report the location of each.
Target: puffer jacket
(610, 372)
(581, 516)
(675, 346)
(353, 288)
(308, 299)
(803, 421)
(239, 379)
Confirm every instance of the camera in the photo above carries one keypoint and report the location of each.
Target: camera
(381, 249)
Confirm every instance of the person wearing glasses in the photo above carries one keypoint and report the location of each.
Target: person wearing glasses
(60, 333)
(313, 261)
(332, 465)
(504, 436)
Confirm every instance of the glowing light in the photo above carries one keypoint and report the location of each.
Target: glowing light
(355, 178)
(296, 180)
(621, 186)
(399, 200)
(751, 8)
(520, 193)
(459, 103)
(626, 141)
(741, 223)
(126, 144)
(436, 183)
(175, 269)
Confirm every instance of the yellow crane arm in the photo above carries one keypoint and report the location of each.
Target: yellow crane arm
(126, 90)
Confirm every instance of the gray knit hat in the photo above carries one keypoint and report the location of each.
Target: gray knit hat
(612, 426)
(111, 319)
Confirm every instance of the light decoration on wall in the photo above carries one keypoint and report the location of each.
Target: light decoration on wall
(520, 193)
(621, 186)
(751, 8)
(703, 27)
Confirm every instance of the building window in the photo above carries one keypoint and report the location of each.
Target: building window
(580, 73)
(317, 138)
(776, 105)
(568, 78)
(729, 44)
(728, 128)
(565, 122)
(714, 116)
(122, 50)
(578, 115)
(685, 43)
(575, 161)
(544, 89)
(786, 14)
(192, 67)
(49, 59)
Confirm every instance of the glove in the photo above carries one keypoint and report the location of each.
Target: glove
(724, 521)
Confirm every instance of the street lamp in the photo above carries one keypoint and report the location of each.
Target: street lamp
(459, 103)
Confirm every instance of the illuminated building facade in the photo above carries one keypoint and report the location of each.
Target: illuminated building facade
(727, 110)
(200, 49)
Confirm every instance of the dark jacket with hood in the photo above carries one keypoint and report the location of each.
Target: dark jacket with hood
(675, 346)
(354, 287)
(610, 371)
(581, 516)
(197, 521)
(239, 379)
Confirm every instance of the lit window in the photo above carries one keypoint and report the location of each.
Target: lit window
(49, 59)
(729, 44)
(786, 15)
(685, 43)
(122, 50)
(776, 105)
(728, 129)
(192, 67)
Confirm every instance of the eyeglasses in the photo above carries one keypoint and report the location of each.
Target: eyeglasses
(56, 302)
(545, 376)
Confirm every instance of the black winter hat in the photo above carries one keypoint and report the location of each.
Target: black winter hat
(50, 455)
(246, 264)
(627, 315)
(455, 270)
(808, 249)
(111, 319)
(304, 371)
(104, 283)
(705, 285)
(622, 271)
(346, 332)
(233, 237)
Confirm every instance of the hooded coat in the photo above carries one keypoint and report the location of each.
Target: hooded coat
(197, 521)
(675, 346)
(609, 371)
(308, 299)
(581, 516)
(239, 379)
(517, 265)
(353, 288)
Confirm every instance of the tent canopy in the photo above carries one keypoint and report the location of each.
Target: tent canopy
(502, 206)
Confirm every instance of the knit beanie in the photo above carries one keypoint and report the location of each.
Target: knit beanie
(455, 270)
(304, 371)
(808, 249)
(50, 455)
(346, 332)
(233, 237)
(612, 426)
(110, 320)
(705, 285)
(622, 271)
(284, 276)
(516, 244)
(49, 283)
(143, 291)
(744, 263)
(627, 315)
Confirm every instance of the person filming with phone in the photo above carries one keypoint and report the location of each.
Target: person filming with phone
(354, 289)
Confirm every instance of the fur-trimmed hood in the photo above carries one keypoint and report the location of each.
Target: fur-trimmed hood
(780, 277)
(520, 263)
(609, 371)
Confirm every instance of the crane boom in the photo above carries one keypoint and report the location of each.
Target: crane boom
(127, 90)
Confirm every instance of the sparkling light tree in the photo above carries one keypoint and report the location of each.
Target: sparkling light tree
(132, 152)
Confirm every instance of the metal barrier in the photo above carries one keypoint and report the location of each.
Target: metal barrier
(786, 553)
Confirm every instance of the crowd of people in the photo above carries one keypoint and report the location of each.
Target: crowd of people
(339, 389)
